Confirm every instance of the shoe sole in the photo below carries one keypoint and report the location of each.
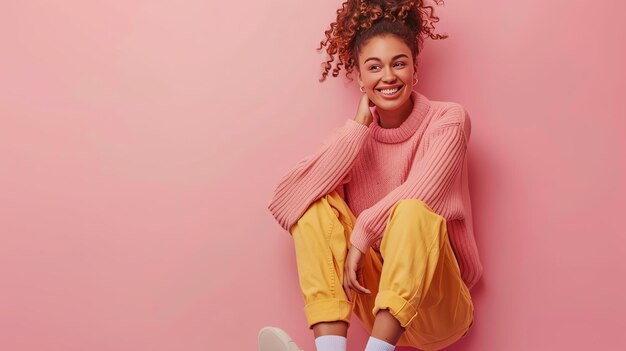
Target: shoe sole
(275, 339)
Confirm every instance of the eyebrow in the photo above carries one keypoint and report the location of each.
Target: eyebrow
(393, 58)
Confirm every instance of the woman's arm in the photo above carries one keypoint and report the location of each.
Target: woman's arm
(429, 179)
(318, 174)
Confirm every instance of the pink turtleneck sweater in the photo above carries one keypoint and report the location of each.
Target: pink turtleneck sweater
(374, 167)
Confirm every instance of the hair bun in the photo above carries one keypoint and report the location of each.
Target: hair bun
(359, 20)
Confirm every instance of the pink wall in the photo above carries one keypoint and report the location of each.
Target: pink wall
(140, 142)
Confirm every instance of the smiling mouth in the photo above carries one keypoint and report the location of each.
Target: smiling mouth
(390, 92)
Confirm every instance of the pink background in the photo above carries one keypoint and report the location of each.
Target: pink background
(141, 140)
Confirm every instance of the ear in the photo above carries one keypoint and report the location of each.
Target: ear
(359, 77)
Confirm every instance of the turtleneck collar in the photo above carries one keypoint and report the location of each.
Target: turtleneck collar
(421, 105)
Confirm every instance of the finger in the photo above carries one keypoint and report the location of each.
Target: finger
(346, 282)
(348, 278)
(358, 287)
(361, 281)
(346, 288)
(355, 284)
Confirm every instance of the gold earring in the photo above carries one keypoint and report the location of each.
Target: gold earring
(361, 89)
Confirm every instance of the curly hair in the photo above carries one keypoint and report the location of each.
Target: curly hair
(360, 20)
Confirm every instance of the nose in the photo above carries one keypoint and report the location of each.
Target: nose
(389, 76)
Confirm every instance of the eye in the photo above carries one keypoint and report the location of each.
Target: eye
(401, 65)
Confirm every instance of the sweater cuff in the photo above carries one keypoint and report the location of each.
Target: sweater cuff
(359, 239)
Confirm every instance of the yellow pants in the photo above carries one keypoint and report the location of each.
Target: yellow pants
(414, 275)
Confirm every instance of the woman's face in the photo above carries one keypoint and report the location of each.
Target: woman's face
(386, 62)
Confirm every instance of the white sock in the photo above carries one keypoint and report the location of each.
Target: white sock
(374, 344)
(331, 343)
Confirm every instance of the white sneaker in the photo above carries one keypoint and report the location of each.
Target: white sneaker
(276, 339)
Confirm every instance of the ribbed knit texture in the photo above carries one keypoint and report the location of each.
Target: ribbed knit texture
(374, 167)
(375, 344)
(331, 343)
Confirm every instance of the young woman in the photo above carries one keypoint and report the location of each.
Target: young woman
(383, 208)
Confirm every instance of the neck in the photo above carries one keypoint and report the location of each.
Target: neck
(411, 123)
(393, 119)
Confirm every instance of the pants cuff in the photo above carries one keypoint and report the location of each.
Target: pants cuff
(397, 305)
(328, 310)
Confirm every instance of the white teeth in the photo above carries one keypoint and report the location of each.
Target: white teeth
(390, 91)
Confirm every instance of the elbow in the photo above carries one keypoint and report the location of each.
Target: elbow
(475, 277)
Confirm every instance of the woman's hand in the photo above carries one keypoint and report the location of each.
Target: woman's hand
(352, 275)
(363, 113)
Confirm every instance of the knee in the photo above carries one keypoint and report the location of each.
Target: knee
(318, 208)
(413, 207)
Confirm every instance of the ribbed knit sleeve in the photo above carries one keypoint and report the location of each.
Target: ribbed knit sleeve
(429, 178)
(318, 174)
